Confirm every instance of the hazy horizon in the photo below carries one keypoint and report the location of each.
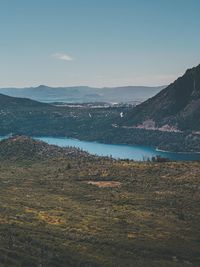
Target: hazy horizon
(79, 85)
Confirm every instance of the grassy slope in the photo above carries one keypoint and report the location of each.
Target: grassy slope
(51, 217)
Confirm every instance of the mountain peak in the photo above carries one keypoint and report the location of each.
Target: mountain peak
(42, 86)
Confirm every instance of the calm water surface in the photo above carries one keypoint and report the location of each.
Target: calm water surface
(118, 151)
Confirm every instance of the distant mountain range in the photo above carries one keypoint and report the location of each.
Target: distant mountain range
(84, 94)
(175, 108)
(170, 120)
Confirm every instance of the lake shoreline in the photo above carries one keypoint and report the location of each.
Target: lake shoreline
(117, 151)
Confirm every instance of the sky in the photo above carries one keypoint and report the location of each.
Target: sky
(97, 42)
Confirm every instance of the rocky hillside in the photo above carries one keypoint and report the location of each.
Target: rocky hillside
(176, 107)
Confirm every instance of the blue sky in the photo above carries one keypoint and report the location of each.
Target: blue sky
(97, 42)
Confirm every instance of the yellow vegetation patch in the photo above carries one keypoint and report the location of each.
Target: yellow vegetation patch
(50, 218)
(30, 210)
(142, 215)
(103, 184)
(132, 235)
(157, 235)
(163, 193)
(3, 221)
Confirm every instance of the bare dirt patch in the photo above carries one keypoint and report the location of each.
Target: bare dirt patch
(104, 184)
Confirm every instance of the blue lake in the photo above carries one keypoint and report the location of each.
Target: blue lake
(118, 151)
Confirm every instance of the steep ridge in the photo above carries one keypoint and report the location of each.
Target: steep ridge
(176, 107)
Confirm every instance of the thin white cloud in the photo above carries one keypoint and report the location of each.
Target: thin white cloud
(62, 56)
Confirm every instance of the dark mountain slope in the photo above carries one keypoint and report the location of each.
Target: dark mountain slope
(178, 105)
(27, 117)
(16, 102)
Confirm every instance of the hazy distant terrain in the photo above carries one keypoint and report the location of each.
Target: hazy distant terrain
(84, 94)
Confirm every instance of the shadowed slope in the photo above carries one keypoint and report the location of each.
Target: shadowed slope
(178, 105)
